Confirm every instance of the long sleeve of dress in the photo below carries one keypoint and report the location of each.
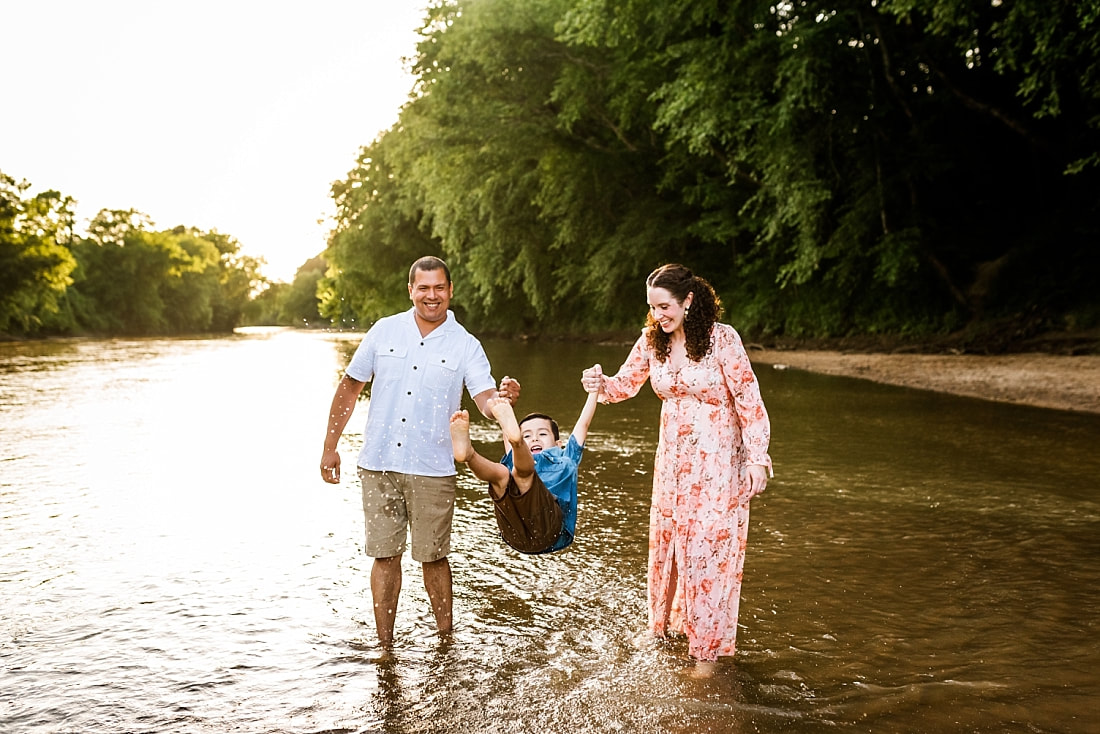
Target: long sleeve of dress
(633, 373)
(752, 416)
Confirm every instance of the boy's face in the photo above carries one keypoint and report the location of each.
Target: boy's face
(538, 434)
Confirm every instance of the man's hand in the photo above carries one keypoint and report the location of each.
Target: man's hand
(509, 389)
(330, 466)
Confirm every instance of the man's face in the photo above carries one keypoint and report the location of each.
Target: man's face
(431, 294)
(538, 434)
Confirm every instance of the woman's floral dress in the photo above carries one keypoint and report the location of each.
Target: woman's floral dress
(713, 425)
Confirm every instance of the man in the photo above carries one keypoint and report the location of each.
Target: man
(417, 362)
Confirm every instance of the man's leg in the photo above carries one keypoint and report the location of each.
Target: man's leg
(385, 587)
(487, 471)
(385, 520)
(437, 582)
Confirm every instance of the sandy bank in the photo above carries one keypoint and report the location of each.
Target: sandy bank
(1042, 380)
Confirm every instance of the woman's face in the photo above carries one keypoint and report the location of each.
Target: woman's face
(666, 310)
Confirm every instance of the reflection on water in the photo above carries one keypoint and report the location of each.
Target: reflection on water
(171, 561)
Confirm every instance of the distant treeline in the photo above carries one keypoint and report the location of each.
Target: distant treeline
(291, 304)
(861, 166)
(122, 277)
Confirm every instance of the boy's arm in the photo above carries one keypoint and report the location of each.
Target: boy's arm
(580, 431)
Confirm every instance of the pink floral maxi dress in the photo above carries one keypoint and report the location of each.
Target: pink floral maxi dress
(713, 425)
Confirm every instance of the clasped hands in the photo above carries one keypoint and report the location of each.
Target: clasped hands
(592, 379)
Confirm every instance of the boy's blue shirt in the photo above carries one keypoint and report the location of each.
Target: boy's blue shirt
(557, 468)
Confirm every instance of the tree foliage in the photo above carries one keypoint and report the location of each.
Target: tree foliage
(855, 166)
(299, 305)
(35, 260)
(121, 277)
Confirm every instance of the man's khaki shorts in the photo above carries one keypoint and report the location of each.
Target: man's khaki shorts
(394, 503)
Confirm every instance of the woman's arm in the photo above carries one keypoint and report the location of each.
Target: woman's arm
(747, 402)
(625, 383)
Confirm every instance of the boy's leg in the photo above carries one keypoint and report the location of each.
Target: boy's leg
(523, 463)
(487, 471)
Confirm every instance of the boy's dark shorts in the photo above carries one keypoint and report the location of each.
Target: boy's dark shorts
(530, 522)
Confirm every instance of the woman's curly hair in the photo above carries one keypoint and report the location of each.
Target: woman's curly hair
(705, 310)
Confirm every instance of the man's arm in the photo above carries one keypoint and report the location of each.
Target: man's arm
(343, 405)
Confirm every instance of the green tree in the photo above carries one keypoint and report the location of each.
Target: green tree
(376, 238)
(265, 307)
(35, 262)
(133, 280)
(236, 276)
(121, 277)
(299, 304)
(123, 268)
(854, 167)
(832, 168)
(541, 202)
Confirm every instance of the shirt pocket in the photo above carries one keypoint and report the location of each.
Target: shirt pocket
(441, 373)
(389, 364)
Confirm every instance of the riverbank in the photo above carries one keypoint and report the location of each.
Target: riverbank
(1042, 380)
(1056, 370)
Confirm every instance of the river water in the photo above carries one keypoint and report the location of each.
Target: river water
(170, 560)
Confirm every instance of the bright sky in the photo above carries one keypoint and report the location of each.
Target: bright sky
(231, 115)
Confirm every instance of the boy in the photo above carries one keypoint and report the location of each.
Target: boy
(534, 487)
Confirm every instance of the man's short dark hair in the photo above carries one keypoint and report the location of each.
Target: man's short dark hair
(535, 416)
(429, 262)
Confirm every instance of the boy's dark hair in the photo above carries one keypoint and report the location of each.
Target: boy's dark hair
(534, 416)
(428, 262)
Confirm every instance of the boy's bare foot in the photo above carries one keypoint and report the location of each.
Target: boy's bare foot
(506, 417)
(460, 436)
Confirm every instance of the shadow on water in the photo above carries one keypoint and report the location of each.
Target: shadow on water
(169, 561)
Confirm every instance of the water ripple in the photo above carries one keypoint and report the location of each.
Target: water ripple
(169, 561)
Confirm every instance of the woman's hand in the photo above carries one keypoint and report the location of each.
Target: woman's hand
(758, 480)
(592, 379)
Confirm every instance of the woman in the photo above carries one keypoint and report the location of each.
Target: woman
(712, 458)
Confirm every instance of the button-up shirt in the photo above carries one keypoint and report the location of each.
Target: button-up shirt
(416, 385)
